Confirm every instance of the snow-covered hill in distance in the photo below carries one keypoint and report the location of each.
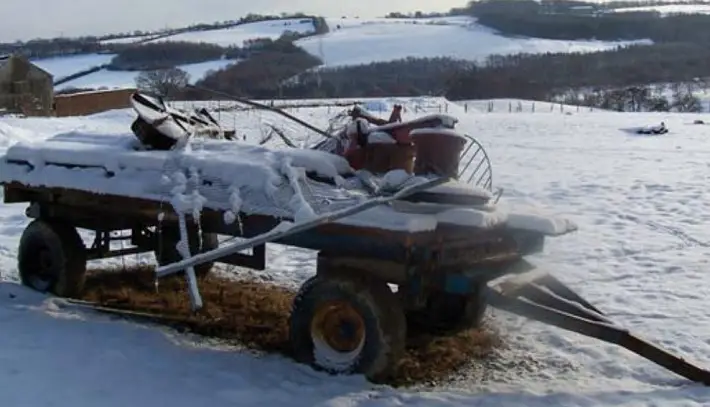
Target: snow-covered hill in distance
(350, 41)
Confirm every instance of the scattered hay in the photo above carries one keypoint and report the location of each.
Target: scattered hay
(256, 315)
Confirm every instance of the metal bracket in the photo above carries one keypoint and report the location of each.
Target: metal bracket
(33, 211)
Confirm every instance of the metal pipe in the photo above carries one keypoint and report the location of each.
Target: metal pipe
(600, 330)
(264, 107)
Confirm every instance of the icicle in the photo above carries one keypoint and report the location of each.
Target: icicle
(183, 248)
(182, 203)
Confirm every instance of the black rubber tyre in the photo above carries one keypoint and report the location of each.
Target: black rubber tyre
(169, 236)
(52, 258)
(359, 323)
(449, 313)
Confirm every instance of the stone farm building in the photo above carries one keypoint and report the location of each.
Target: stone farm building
(24, 87)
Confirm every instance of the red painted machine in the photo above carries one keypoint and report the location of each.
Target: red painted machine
(424, 145)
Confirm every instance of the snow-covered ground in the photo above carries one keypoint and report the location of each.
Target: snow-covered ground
(669, 9)
(127, 40)
(235, 36)
(60, 67)
(127, 79)
(641, 255)
(361, 41)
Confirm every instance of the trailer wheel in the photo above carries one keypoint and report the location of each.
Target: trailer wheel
(449, 313)
(52, 258)
(168, 238)
(346, 326)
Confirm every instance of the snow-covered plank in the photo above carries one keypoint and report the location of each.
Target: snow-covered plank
(236, 177)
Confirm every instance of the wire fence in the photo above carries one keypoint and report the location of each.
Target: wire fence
(233, 116)
(518, 106)
(227, 112)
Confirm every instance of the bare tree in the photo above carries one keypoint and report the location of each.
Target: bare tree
(163, 82)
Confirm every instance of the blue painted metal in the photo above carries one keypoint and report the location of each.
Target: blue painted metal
(458, 284)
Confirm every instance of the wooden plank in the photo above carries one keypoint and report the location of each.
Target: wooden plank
(147, 211)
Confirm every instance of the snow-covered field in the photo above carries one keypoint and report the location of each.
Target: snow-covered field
(235, 36)
(126, 40)
(670, 9)
(60, 67)
(360, 41)
(641, 255)
(127, 79)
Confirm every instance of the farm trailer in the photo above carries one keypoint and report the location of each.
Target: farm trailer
(345, 319)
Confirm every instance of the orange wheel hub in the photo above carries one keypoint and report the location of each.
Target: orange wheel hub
(339, 325)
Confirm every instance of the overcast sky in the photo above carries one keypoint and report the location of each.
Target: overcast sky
(26, 19)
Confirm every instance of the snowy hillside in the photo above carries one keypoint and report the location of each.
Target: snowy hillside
(235, 36)
(127, 79)
(641, 255)
(63, 66)
(351, 41)
(361, 41)
(60, 67)
(126, 40)
(670, 9)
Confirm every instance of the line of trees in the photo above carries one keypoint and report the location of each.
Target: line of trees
(651, 3)
(262, 74)
(166, 54)
(541, 76)
(404, 77)
(557, 7)
(559, 20)
(678, 97)
(545, 75)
